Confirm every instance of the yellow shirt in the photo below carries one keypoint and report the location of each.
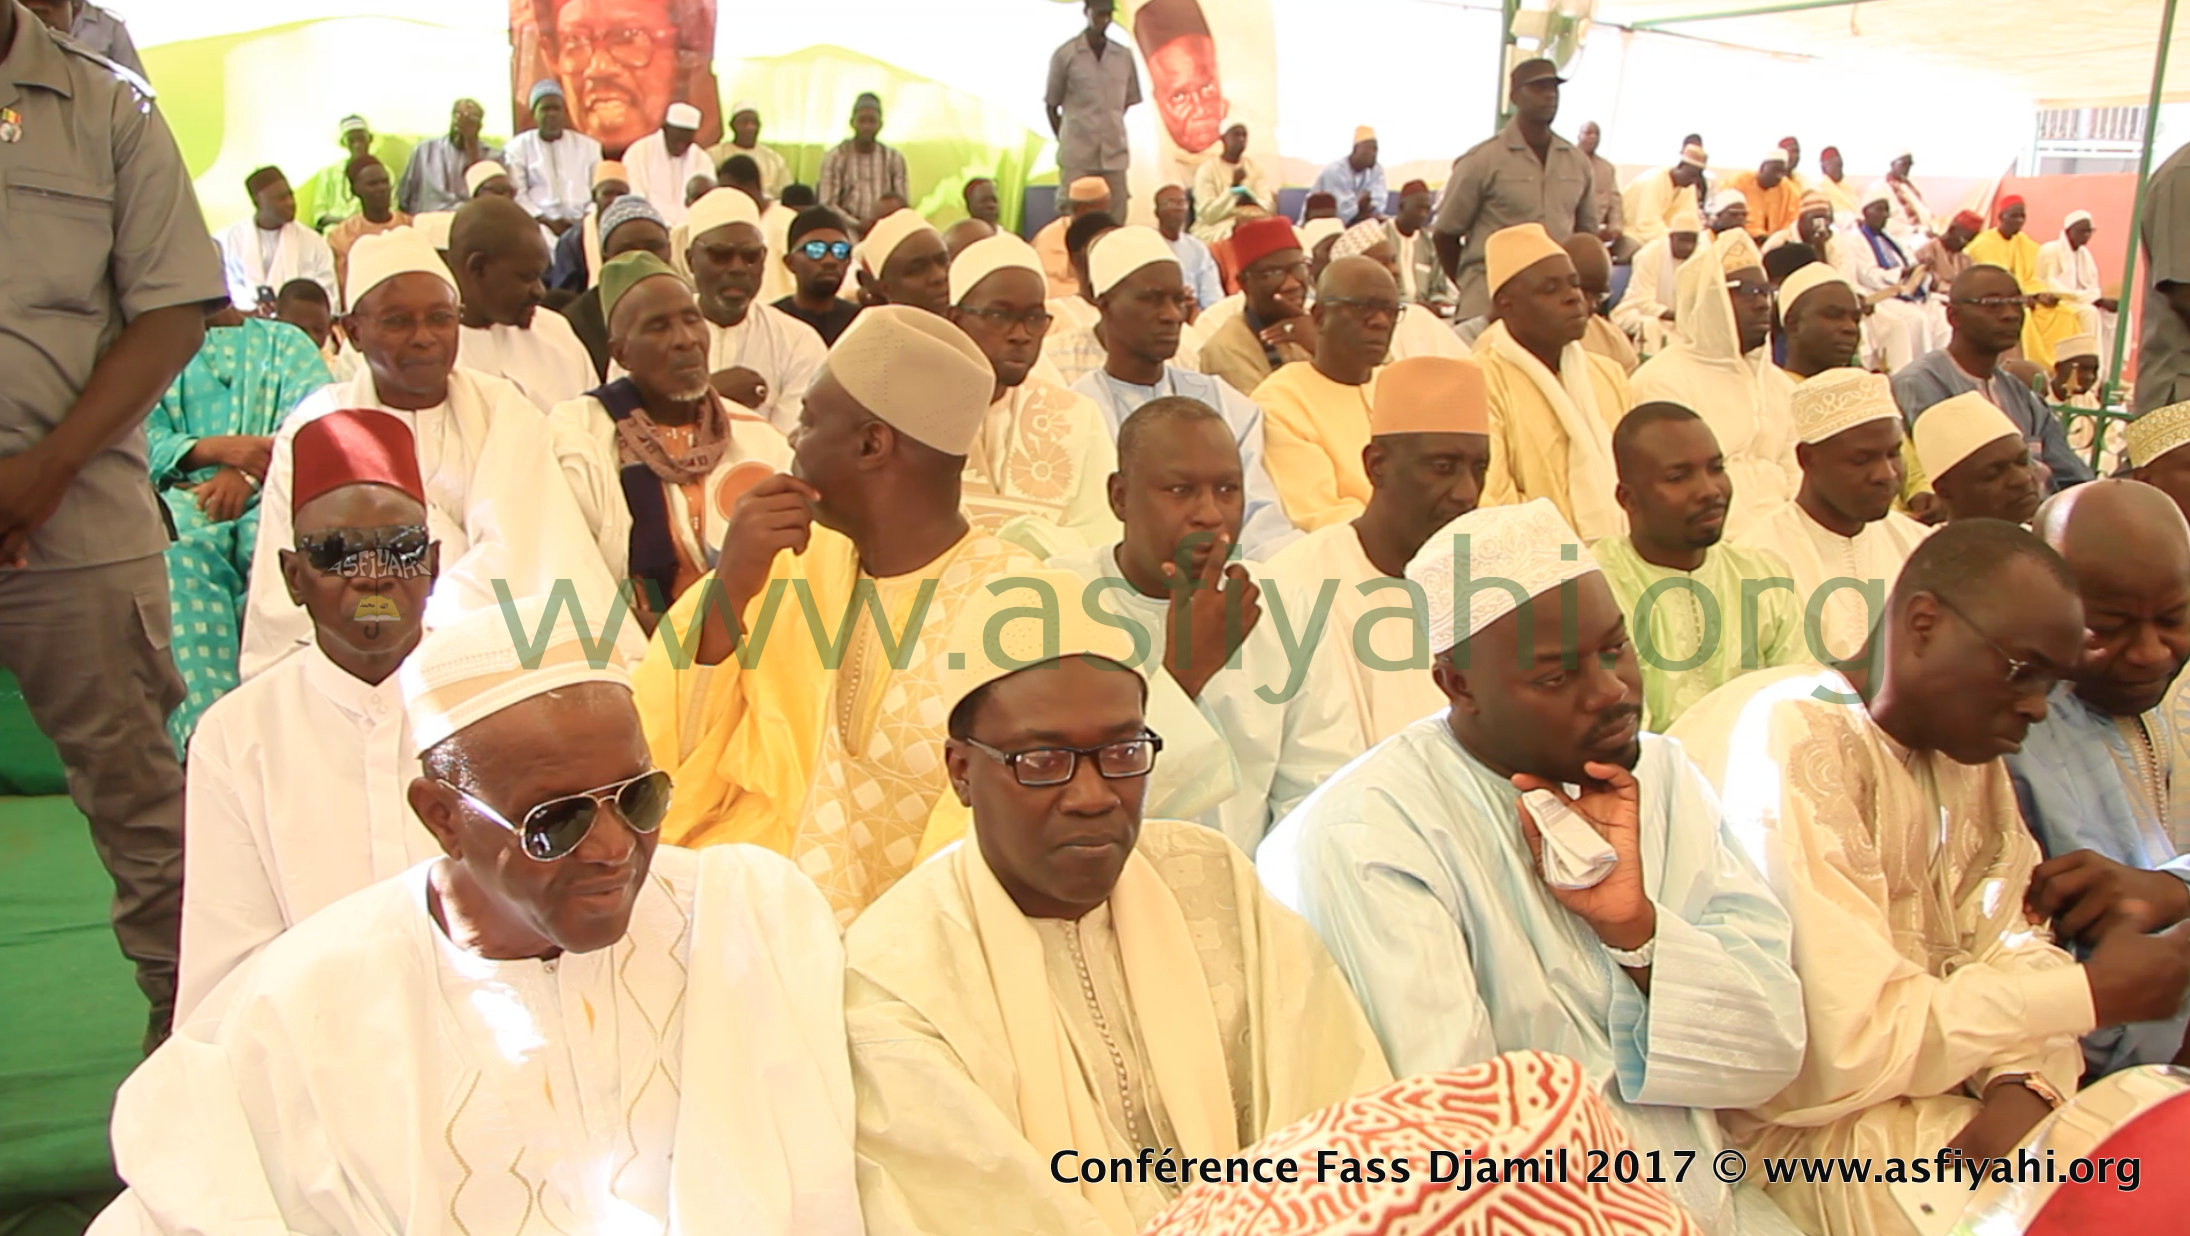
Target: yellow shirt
(2043, 325)
(1314, 430)
(1528, 447)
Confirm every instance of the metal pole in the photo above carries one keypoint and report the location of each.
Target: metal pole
(1507, 9)
(1796, 6)
(2136, 208)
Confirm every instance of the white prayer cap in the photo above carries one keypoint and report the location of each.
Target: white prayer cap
(1952, 430)
(681, 116)
(492, 657)
(720, 208)
(377, 258)
(1008, 625)
(1693, 155)
(990, 254)
(1686, 218)
(1808, 279)
(1313, 232)
(1775, 155)
(1118, 253)
(1879, 193)
(436, 226)
(2075, 346)
(894, 229)
(480, 173)
(2158, 432)
(741, 107)
(1358, 239)
(2077, 216)
(1838, 400)
(1724, 199)
(1529, 546)
(915, 370)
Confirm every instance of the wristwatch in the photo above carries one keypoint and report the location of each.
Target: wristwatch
(1635, 958)
(2036, 1084)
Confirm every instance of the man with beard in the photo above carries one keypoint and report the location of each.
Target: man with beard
(1938, 1014)
(1273, 327)
(2096, 778)
(296, 784)
(1524, 174)
(818, 252)
(1316, 412)
(551, 165)
(1473, 921)
(662, 165)
(1429, 446)
(618, 61)
(1092, 84)
(1696, 625)
(648, 455)
(434, 178)
(1841, 529)
(1228, 184)
(1977, 460)
(1721, 368)
(762, 358)
(500, 261)
(630, 224)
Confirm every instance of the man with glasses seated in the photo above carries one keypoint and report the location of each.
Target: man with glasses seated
(1940, 1013)
(1257, 716)
(553, 1019)
(818, 252)
(297, 779)
(1318, 409)
(1985, 309)
(1040, 465)
(1273, 327)
(762, 358)
(495, 498)
(1079, 978)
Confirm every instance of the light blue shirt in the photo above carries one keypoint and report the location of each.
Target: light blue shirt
(1410, 864)
(554, 180)
(1341, 181)
(1199, 267)
(1264, 530)
(2082, 785)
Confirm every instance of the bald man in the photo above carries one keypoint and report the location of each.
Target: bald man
(2096, 777)
(1593, 266)
(964, 233)
(500, 262)
(1318, 410)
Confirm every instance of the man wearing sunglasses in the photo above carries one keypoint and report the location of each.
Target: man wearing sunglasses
(818, 253)
(1071, 926)
(628, 1033)
(1938, 1014)
(1985, 309)
(1318, 409)
(297, 780)
(1038, 468)
(496, 500)
(760, 357)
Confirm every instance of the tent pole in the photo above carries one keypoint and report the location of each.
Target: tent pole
(2136, 206)
(1507, 10)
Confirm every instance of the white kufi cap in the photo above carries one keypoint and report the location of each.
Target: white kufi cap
(477, 665)
(2158, 432)
(990, 254)
(1838, 400)
(916, 371)
(1528, 546)
(1118, 253)
(720, 208)
(1952, 430)
(382, 256)
(894, 229)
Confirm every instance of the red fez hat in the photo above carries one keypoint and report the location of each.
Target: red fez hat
(357, 446)
(1413, 187)
(1830, 152)
(1259, 238)
(2006, 204)
(1969, 220)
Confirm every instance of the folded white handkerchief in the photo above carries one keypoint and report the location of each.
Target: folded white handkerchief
(1576, 855)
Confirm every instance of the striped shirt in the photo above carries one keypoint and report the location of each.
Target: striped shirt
(853, 181)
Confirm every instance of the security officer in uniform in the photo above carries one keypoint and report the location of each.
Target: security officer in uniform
(108, 278)
(93, 28)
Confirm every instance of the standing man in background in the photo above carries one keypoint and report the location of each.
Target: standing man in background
(434, 178)
(861, 171)
(1523, 174)
(96, 318)
(1091, 84)
(551, 165)
(1608, 216)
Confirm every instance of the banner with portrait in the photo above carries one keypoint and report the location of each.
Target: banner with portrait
(621, 63)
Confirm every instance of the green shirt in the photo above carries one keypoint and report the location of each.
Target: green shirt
(1695, 635)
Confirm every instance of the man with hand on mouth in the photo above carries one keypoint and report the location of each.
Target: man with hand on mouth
(297, 779)
(1472, 922)
(1680, 585)
(1938, 1013)
(1070, 927)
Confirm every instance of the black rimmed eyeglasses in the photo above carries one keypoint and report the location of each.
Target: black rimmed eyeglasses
(1047, 766)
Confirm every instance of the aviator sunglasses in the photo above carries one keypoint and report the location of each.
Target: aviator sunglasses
(554, 828)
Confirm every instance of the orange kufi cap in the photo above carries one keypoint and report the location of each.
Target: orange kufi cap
(1511, 250)
(1430, 394)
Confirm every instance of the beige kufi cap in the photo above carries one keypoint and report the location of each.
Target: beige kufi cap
(1021, 621)
(988, 255)
(1809, 279)
(1686, 218)
(894, 229)
(1118, 253)
(720, 208)
(1737, 252)
(382, 256)
(2075, 346)
(1430, 394)
(1529, 546)
(1511, 250)
(915, 370)
(2158, 432)
(1087, 189)
(1838, 400)
(1363, 133)
(1314, 232)
(1952, 430)
(491, 658)
(1694, 156)
(480, 173)
(1359, 239)
(436, 226)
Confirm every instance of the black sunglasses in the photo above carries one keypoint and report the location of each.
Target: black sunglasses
(554, 828)
(400, 548)
(815, 250)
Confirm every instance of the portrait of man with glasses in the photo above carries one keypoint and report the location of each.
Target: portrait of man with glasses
(621, 62)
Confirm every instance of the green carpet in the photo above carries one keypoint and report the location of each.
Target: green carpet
(70, 1015)
(28, 763)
